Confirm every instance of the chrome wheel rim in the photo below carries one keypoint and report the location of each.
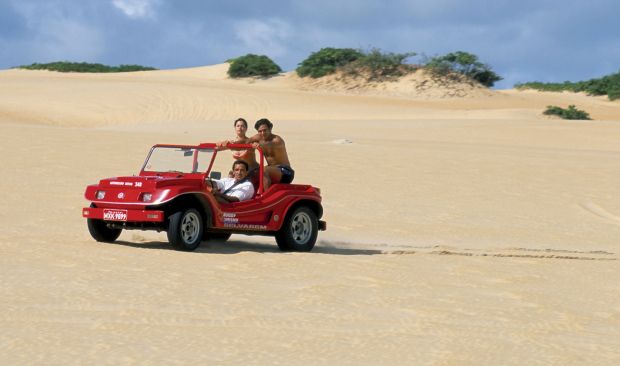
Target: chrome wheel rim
(190, 228)
(301, 228)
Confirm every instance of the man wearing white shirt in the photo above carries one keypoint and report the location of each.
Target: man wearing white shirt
(235, 189)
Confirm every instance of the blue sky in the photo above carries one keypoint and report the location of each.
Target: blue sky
(526, 40)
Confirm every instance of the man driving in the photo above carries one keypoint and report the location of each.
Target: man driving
(235, 189)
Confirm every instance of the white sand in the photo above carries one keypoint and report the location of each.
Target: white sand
(461, 231)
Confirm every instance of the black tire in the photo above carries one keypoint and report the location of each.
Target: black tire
(185, 229)
(299, 230)
(217, 236)
(101, 232)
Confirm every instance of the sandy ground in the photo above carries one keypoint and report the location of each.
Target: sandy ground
(461, 231)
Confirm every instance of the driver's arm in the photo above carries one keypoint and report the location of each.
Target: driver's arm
(224, 198)
(230, 198)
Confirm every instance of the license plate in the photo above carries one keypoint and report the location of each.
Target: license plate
(115, 215)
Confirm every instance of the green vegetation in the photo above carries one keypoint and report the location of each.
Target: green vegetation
(570, 113)
(252, 65)
(64, 66)
(378, 66)
(463, 63)
(607, 85)
(374, 65)
(326, 61)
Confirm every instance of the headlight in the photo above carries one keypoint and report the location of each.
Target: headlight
(100, 195)
(147, 197)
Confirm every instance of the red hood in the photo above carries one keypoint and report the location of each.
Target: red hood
(149, 182)
(129, 190)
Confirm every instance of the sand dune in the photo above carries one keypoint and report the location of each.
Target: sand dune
(461, 231)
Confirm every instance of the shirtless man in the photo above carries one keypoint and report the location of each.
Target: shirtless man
(279, 168)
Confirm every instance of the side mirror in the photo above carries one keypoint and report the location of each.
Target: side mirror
(215, 175)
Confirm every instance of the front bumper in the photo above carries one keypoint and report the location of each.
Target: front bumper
(122, 215)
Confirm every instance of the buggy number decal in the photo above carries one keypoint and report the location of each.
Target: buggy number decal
(231, 221)
(115, 215)
(230, 218)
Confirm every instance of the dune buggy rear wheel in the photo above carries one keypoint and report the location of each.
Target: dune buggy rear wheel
(299, 230)
(185, 229)
(100, 231)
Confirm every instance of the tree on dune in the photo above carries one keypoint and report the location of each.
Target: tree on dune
(463, 63)
(252, 65)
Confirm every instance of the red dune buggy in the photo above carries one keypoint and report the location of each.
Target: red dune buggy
(171, 194)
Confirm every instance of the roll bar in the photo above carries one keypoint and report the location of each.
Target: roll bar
(212, 145)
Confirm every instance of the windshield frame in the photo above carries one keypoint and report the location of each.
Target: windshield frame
(206, 148)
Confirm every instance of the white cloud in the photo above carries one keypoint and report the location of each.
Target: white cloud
(136, 8)
(264, 37)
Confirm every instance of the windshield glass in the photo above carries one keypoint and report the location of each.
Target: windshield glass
(178, 159)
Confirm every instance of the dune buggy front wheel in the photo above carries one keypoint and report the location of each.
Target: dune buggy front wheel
(100, 231)
(185, 229)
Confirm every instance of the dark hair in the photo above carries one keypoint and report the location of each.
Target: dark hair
(247, 167)
(242, 120)
(263, 121)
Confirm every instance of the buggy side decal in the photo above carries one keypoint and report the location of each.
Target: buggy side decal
(230, 218)
(246, 226)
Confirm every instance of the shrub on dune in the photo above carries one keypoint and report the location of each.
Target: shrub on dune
(463, 63)
(252, 65)
(373, 65)
(326, 61)
(378, 66)
(614, 93)
(607, 85)
(567, 113)
(65, 66)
